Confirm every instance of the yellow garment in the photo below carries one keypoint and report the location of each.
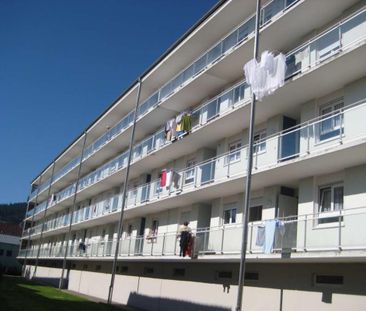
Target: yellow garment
(179, 127)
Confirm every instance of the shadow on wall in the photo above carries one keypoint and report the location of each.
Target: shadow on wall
(52, 281)
(165, 304)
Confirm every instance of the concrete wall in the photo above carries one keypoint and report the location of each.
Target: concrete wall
(327, 235)
(281, 286)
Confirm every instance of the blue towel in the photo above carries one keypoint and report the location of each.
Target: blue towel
(270, 229)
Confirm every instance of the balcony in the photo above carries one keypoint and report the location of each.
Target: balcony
(295, 238)
(342, 38)
(269, 13)
(321, 145)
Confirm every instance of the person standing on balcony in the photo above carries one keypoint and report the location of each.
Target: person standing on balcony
(185, 236)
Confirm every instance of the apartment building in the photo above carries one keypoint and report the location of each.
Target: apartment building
(309, 172)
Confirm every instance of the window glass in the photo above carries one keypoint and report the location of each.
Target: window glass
(234, 152)
(330, 201)
(230, 214)
(325, 199)
(332, 123)
(259, 141)
(255, 213)
(189, 173)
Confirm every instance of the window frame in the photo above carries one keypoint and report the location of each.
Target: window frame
(261, 147)
(233, 217)
(190, 170)
(234, 150)
(324, 217)
(257, 207)
(335, 106)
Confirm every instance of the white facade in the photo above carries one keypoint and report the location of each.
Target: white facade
(309, 168)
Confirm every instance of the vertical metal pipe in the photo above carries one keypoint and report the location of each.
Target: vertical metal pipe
(125, 185)
(67, 236)
(44, 218)
(20, 245)
(29, 235)
(249, 176)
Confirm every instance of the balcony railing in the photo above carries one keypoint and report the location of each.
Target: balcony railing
(295, 234)
(233, 39)
(312, 137)
(350, 32)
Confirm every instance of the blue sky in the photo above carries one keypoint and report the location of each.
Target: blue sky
(63, 62)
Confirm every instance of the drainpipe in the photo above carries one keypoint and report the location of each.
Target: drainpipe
(67, 236)
(124, 193)
(29, 235)
(44, 218)
(249, 176)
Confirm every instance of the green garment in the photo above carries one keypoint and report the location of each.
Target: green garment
(186, 123)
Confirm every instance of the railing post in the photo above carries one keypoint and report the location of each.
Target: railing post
(228, 166)
(195, 176)
(129, 246)
(308, 138)
(341, 119)
(175, 245)
(163, 247)
(152, 246)
(222, 239)
(204, 241)
(305, 231)
(251, 239)
(340, 230)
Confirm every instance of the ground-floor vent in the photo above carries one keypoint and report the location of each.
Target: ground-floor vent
(321, 279)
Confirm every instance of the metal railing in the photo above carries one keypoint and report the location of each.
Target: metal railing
(310, 138)
(347, 33)
(318, 232)
(240, 34)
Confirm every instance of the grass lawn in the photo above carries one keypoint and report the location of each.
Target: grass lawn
(18, 294)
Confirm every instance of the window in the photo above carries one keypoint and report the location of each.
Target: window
(129, 231)
(330, 201)
(179, 272)
(230, 214)
(189, 173)
(259, 141)
(154, 228)
(255, 213)
(332, 124)
(148, 270)
(9, 253)
(234, 152)
(224, 275)
(1, 252)
(328, 279)
(251, 275)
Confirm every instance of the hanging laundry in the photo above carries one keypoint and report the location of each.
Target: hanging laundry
(169, 178)
(178, 121)
(186, 123)
(176, 178)
(270, 228)
(266, 76)
(170, 129)
(163, 178)
(280, 227)
(260, 236)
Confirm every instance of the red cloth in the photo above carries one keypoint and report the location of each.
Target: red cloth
(189, 247)
(163, 178)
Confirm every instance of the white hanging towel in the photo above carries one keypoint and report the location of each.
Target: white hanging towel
(266, 76)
